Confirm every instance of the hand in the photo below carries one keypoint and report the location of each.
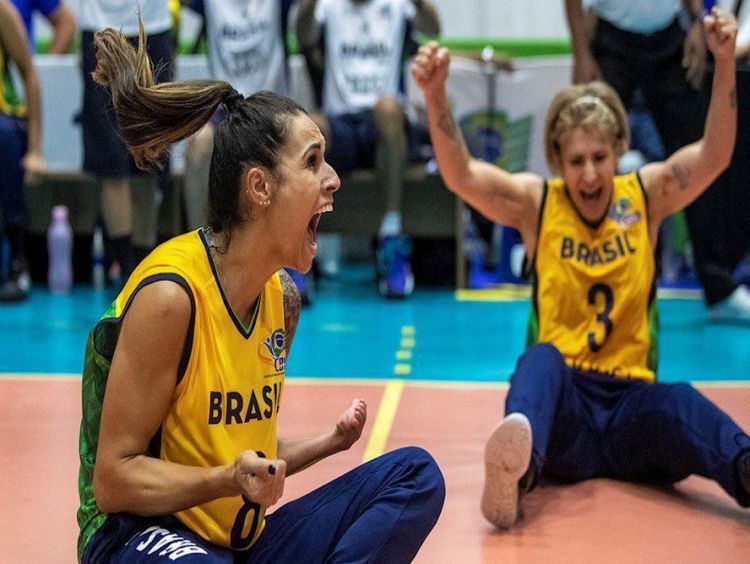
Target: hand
(33, 165)
(260, 480)
(721, 33)
(350, 424)
(430, 68)
(694, 55)
(585, 68)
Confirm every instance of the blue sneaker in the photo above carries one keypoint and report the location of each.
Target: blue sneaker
(395, 279)
(304, 285)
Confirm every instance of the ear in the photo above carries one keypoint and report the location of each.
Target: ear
(256, 187)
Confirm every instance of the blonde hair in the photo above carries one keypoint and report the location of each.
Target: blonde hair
(592, 105)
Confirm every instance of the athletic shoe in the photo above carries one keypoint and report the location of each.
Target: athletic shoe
(17, 286)
(733, 308)
(395, 278)
(507, 456)
(304, 285)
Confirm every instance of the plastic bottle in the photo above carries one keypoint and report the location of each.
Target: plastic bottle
(60, 249)
(97, 260)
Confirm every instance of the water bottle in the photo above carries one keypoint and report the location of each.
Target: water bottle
(97, 260)
(60, 249)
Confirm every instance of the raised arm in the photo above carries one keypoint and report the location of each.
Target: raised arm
(585, 67)
(304, 452)
(140, 387)
(509, 199)
(673, 184)
(15, 45)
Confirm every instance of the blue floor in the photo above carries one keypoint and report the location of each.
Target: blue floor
(350, 332)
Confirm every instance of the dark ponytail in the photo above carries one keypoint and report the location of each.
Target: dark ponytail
(151, 116)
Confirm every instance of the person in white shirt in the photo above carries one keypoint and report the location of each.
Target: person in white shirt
(355, 52)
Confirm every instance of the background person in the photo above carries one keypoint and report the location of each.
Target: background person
(20, 147)
(355, 52)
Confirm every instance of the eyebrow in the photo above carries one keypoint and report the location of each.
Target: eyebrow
(312, 146)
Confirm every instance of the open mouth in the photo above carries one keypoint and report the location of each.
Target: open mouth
(312, 226)
(591, 197)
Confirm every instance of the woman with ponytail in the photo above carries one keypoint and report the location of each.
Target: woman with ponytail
(184, 373)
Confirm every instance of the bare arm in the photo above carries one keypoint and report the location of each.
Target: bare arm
(426, 20)
(509, 199)
(139, 391)
(673, 184)
(585, 68)
(64, 28)
(15, 44)
(304, 452)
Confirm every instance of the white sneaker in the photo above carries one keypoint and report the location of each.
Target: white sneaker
(506, 458)
(735, 307)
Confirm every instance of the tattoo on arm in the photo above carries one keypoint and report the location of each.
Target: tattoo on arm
(447, 124)
(682, 175)
(292, 306)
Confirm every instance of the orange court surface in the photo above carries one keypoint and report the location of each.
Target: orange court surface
(595, 521)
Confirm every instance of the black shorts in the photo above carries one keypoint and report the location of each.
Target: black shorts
(354, 141)
(104, 153)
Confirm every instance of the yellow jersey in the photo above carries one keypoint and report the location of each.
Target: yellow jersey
(226, 401)
(593, 285)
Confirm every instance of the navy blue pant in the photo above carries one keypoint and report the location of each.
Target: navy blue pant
(587, 425)
(381, 511)
(13, 139)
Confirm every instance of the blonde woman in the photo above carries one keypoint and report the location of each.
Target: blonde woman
(583, 401)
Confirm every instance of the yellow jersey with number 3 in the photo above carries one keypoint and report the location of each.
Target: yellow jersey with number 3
(593, 285)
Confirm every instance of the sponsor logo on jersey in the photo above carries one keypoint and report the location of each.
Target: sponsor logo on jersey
(272, 350)
(622, 213)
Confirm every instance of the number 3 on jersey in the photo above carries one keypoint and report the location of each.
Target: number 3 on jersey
(602, 313)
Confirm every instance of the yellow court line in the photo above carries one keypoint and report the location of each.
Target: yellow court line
(384, 419)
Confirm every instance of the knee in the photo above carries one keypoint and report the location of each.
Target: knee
(542, 359)
(427, 474)
(679, 396)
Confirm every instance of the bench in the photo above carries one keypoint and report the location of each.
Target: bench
(429, 210)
